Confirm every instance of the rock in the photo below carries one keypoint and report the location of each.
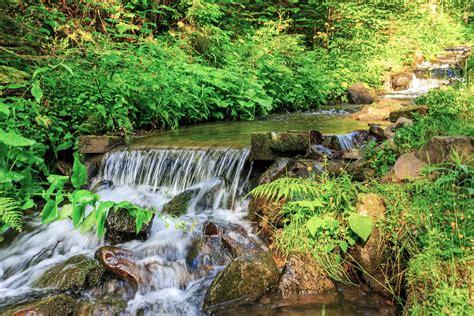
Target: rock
(76, 273)
(302, 275)
(370, 255)
(359, 94)
(64, 167)
(377, 131)
(121, 263)
(272, 145)
(120, 227)
(353, 154)
(401, 81)
(407, 168)
(93, 163)
(50, 306)
(403, 121)
(275, 171)
(211, 229)
(439, 148)
(178, 205)
(377, 112)
(245, 278)
(389, 131)
(408, 112)
(92, 144)
(262, 210)
(304, 168)
(207, 196)
(207, 252)
(319, 152)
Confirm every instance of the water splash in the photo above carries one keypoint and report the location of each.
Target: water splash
(349, 141)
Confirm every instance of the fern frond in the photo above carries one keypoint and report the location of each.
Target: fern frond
(10, 213)
(285, 188)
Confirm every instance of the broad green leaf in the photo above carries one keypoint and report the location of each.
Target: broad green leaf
(101, 215)
(360, 225)
(9, 176)
(88, 222)
(343, 245)
(4, 109)
(313, 224)
(65, 211)
(50, 212)
(79, 173)
(57, 180)
(65, 66)
(36, 91)
(78, 213)
(14, 139)
(83, 197)
(28, 204)
(40, 70)
(63, 146)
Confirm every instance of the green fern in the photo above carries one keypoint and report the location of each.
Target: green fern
(288, 188)
(10, 213)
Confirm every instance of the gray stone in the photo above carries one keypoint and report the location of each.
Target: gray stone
(407, 168)
(275, 171)
(121, 227)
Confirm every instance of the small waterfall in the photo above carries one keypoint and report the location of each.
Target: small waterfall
(348, 141)
(176, 169)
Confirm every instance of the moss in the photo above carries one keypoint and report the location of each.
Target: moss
(50, 306)
(179, 204)
(10, 75)
(76, 273)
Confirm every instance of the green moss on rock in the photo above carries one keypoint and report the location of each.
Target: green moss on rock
(76, 273)
(408, 112)
(178, 205)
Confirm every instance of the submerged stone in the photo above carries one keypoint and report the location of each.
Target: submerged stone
(121, 227)
(245, 278)
(178, 205)
(76, 273)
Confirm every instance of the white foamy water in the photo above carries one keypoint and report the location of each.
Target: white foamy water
(149, 179)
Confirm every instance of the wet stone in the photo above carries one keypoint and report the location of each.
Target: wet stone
(121, 227)
(178, 205)
(76, 273)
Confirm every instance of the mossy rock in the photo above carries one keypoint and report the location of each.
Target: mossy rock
(76, 273)
(121, 227)
(10, 75)
(272, 145)
(50, 306)
(408, 112)
(246, 278)
(178, 205)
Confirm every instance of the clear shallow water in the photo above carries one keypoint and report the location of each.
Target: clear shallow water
(237, 133)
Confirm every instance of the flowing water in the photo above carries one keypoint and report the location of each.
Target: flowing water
(150, 174)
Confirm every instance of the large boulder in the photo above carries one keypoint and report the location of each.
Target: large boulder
(245, 278)
(302, 275)
(359, 94)
(439, 148)
(76, 273)
(121, 227)
(408, 111)
(206, 252)
(121, 263)
(272, 145)
(92, 144)
(370, 255)
(407, 168)
(178, 205)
